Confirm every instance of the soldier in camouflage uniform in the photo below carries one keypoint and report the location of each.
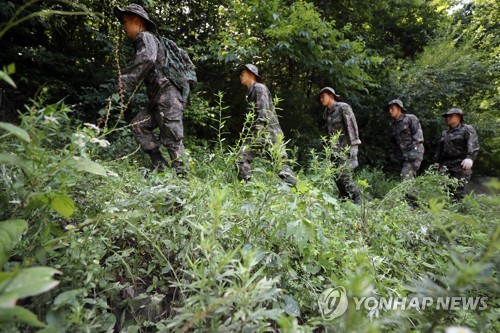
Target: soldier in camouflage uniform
(457, 149)
(266, 128)
(339, 117)
(407, 140)
(166, 104)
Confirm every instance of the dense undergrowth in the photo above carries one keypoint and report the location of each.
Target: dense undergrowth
(135, 251)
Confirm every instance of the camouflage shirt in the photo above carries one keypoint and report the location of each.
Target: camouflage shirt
(457, 143)
(148, 55)
(406, 137)
(340, 118)
(259, 99)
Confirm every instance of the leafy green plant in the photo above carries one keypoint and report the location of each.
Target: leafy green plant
(19, 283)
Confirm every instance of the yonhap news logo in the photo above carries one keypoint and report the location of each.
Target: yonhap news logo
(333, 303)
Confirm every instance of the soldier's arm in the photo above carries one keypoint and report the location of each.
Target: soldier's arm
(262, 106)
(351, 125)
(144, 61)
(393, 144)
(438, 156)
(472, 143)
(417, 133)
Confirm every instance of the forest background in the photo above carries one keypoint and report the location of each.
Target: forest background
(433, 55)
(91, 241)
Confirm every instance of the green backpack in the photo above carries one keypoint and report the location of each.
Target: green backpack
(178, 66)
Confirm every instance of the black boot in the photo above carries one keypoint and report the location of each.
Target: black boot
(158, 163)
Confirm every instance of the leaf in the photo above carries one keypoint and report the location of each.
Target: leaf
(291, 306)
(17, 131)
(19, 315)
(67, 297)
(10, 234)
(329, 199)
(62, 204)
(5, 77)
(88, 166)
(7, 300)
(30, 282)
(17, 161)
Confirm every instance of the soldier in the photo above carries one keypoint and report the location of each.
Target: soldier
(166, 104)
(406, 140)
(339, 117)
(266, 128)
(457, 149)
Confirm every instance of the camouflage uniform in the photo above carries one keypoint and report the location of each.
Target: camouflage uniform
(407, 144)
(455, 145)
(166, 105)
(341, 119)
(266, 130)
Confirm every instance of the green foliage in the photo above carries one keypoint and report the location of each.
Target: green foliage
(153, 252)
(143, 252)
(20, 283)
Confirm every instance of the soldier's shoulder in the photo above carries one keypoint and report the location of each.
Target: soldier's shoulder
(343, 106)
(411, 117)
(260, 87)
(145, 36)
(469, 128)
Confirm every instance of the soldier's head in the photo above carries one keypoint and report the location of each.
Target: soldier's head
(454, 117)
(327, 97)
(249, 74)
(395, 108)
(134, 19)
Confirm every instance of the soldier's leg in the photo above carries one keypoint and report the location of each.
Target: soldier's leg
(410, 168)
(409, 171)
(244, 164)
(286, 172)
(172, 139)
(142, 128)
(169, 113)
(463, 177)
(346, 186)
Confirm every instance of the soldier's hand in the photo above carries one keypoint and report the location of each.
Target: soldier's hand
(467, 164)
(354, 151)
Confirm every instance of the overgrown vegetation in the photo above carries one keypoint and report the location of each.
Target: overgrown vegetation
(142, 251)
(92, 241)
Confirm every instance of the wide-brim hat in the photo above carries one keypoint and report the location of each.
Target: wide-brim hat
(251, 68)
(329, 90)
(135, 9)
(454, 111)
(397, 102)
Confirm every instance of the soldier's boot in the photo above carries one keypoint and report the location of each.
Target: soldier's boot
(158, 162)
(287, 175)
(244, 171)
(179, 167)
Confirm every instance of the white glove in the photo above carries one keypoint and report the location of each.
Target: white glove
(353, 150)
(467, 164)
(353, 161)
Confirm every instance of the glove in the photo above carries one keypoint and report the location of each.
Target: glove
(353, 151)
(353, 161)
(467, 164)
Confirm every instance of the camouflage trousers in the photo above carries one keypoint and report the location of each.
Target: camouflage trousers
(454, 169)
(166, 114)
(410, 168)
(250, 150)
(345, 184)
(411, 161)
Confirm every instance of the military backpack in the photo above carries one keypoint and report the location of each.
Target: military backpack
(178, 66)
